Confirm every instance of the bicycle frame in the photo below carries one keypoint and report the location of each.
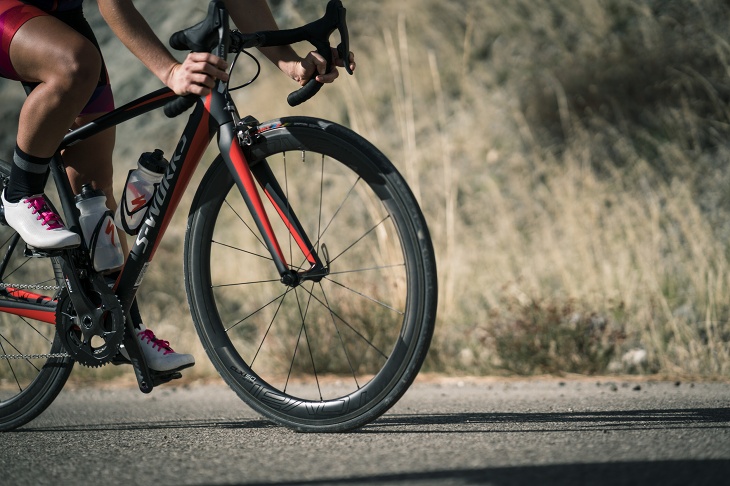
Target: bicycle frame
(214, 113)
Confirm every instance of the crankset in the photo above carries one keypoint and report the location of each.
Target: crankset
(92, 338)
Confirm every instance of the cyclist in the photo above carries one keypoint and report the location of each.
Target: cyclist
(49, 46)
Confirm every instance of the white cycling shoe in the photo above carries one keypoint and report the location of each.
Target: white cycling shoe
(158, 353)
(38, 224)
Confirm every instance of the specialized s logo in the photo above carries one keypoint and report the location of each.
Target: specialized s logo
(138, 203)
(160, 194)
(110, 231)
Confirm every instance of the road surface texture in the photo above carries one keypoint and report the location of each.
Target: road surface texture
(443, 432)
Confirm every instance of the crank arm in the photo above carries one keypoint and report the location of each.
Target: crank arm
(134, 350)
(87, 313)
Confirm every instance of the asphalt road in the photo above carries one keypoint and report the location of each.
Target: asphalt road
(575, 431)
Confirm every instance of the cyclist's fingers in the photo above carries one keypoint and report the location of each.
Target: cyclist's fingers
(197, 74)
(317, 61)
(184, 82)
(329, 77)
(341, 62)
(202, 79)
(208, 58)
(206, 63)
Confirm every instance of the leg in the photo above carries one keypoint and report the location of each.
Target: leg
(91, 162)
(64, 65)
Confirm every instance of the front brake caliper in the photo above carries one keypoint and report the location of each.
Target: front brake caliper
(247, 130)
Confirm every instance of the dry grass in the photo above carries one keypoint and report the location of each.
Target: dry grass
(571, 159)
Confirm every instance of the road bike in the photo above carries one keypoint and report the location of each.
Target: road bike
(309, 269)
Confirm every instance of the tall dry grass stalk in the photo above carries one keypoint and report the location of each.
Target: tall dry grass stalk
(570, 161)
(571, 158)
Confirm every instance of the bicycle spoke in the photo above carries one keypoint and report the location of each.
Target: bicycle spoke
(371, 299)
(257, 310)
(264, 257)
(369, 269)
(296, 346)
(360, 239)
(12, 370)
(337, 211)
(254, 233)
(339, 335)
(16, 350)
(16, 269)
(344, 321)
(268, 329)
(237, 284)
(309, 342)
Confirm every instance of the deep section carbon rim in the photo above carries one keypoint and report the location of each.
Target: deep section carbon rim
(323, 355)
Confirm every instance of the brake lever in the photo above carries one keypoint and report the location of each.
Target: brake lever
(343, 49)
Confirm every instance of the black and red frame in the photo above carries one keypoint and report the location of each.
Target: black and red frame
(214, 113)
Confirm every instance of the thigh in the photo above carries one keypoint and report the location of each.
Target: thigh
(44, 46)
(37, 44)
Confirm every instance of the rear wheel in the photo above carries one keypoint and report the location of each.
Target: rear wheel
(330, 355)
(33, 364)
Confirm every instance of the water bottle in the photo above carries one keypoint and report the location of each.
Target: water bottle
(139, 191)
(97, 226)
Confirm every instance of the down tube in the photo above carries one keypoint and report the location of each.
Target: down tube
(195, 139)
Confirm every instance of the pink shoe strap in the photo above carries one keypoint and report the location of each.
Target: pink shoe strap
(46, 215)
(156, 343)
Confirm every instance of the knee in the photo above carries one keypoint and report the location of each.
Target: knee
(77, 71)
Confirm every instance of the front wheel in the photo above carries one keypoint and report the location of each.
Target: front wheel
(327, 355)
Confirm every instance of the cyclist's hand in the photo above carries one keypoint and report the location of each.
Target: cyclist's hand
(197, 74)
(304, 69)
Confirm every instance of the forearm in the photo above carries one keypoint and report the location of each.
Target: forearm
(135, 33)
(255, 15)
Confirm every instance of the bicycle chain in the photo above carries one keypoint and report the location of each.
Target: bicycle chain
(5, 285)
(34, 356)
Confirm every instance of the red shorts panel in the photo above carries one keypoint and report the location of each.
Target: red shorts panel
(13, 14)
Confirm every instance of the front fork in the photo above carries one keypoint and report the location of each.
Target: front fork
(246, 177)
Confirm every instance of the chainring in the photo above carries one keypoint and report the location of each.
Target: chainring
(100, 343)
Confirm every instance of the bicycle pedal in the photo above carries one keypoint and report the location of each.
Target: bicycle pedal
(31, 252)
(160, 378)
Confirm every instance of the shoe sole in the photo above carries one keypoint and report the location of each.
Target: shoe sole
(48, 250)
(119, 360)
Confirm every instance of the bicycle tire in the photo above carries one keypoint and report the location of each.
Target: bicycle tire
(29, 385)
(371, 332)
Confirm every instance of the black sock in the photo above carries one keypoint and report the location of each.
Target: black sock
(27, 176)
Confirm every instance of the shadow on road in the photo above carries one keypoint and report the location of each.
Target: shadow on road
(717, 418)
(666, 473)
(562, 421)
(153, 425)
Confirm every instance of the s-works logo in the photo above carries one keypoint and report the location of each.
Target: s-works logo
(153, 214)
